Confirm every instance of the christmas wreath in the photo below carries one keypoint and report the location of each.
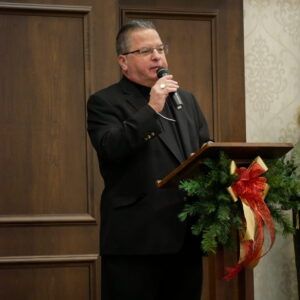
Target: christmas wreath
(224, 197)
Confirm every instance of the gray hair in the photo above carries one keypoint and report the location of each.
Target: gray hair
(122, 40)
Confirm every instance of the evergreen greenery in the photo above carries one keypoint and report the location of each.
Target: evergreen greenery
(212, 211)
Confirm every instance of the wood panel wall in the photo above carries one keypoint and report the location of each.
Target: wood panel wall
(54, 54)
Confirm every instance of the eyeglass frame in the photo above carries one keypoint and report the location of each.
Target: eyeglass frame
(162, 47)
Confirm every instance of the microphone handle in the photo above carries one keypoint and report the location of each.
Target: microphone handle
(177, 100)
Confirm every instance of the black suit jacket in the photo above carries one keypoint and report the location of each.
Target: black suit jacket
(134, 151)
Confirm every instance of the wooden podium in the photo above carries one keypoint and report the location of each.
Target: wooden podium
(241, 287)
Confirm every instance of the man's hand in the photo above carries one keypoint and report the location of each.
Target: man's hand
(160, 91)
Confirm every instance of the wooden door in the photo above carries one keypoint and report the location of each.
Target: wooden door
(53, 55)
(49, 176)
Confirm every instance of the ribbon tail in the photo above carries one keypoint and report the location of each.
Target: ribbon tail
(264, 212)
(250, 222)
(246, 248)
(251, 243)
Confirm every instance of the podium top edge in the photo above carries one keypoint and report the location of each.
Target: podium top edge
(277, 148)
(235, 150)
(249, 144)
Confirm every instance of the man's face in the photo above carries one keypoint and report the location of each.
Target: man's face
(142, 68)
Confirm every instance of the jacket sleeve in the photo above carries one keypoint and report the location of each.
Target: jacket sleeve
(116, 133)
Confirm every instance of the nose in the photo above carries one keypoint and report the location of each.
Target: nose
(155, 54)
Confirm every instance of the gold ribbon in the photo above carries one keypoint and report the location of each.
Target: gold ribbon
(248, 212)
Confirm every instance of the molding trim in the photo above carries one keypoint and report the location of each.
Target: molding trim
(47, 219)
(45, 7)
(91, 258)
(162, 14)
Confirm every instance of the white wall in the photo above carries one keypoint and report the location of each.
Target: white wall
(272, 71)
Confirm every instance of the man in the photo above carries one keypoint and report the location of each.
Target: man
(139, 136)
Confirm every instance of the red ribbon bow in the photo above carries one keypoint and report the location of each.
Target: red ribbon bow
(250, 188)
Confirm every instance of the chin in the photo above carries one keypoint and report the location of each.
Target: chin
(153, 76)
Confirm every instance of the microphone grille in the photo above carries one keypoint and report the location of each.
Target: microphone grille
(161, 72)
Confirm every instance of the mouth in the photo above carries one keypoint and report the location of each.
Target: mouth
(155, 68)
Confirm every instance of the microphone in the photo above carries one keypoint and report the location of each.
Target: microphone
(161, 72)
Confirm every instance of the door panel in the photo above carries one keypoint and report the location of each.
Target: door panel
(43, 117)
(48, 208)
(46, 279)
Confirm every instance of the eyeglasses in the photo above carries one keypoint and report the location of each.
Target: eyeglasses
(162, 49)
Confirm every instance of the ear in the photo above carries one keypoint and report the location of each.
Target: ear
(122, 60)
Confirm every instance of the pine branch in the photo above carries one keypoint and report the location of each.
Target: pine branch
(212, 212)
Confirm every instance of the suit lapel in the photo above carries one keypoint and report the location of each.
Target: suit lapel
(133, 96)
(167, 137)
(187, 131)
(137, 101)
